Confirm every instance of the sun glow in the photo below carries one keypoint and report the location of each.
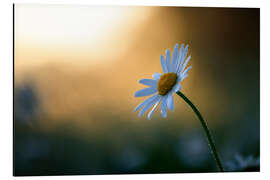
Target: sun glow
(81, 32)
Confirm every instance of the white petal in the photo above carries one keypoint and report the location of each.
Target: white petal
(148, 82)
(184, 76)
(156, 76)
(185, 52)
(153, 109)
(178, 78)
(163, 64)
(168, 60)
(176, 88)
(145, 102)
(185, 72)
(145, 92)
(170, 101)
(164, 106)
(174, 58)
(148, 105)
(180, 68)
(184, 65)
(179, 62)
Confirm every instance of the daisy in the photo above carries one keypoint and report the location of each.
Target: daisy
(240, 163)
(164, 85)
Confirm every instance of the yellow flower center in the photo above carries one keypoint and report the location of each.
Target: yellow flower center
(166, 83)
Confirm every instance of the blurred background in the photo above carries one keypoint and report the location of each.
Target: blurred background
(76, 70)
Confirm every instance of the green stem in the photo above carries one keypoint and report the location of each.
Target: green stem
(207, 132)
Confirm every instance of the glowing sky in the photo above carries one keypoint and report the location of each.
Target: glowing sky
(47, 32)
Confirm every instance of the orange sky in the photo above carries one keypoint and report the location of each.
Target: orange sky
(46, 32)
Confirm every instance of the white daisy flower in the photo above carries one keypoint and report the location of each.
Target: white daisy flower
(164, 85)
(240, 163)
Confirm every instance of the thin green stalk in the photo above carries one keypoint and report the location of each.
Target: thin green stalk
(207, 132)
